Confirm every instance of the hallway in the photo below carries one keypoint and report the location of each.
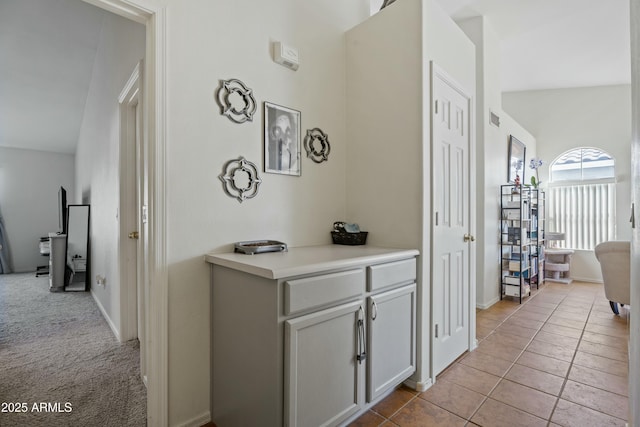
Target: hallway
(560, 358)
(61, 364)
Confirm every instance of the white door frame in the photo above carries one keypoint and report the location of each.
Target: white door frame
(153, 16)
(129, 99)
(438, 71)
(133, 283)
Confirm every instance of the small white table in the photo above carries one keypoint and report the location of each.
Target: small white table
(558, 265)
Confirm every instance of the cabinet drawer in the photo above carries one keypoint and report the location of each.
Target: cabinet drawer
(384, 275)
(319, 291)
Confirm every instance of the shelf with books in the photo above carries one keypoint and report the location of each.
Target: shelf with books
(519, 240)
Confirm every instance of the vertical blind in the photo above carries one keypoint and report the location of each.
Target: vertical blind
(584, 212)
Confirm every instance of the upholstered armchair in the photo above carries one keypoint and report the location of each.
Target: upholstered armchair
(615, 258)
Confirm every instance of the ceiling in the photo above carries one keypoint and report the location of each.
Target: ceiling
(550, 44)
(47, 50)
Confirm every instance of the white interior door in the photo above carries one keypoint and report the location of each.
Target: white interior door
(141, 283)
(451, 139)
(134, 241)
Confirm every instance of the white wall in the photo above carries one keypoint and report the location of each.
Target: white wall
(120, 48)
(29, 183)
(492, 151)
(563, 119)
(634, 328)
(209, 41)
(389, 152)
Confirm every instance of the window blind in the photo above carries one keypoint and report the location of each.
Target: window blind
(584, 212)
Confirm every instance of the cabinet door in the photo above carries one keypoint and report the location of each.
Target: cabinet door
(392, 339)
(323, 376)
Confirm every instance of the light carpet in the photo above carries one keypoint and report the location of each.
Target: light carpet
(60, 363)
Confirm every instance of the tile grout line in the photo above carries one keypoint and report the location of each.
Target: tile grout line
(565, 377)
(503, 376)
(485, 398)
(575, 352)
(571, 366)
(468, 420)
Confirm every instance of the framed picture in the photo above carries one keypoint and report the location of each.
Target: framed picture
(517, 151)
(281, 140)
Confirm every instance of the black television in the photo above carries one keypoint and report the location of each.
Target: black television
(62, 211)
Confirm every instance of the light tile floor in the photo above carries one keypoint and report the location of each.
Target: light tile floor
(559, 359)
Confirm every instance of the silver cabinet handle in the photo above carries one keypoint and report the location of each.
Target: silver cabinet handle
(362, 344)
(374, 310)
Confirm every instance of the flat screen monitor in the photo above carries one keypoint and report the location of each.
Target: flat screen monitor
(62, 211)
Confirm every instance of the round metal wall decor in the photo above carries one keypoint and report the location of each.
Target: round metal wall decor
(232, 176)
(236, 114)
(316, 137)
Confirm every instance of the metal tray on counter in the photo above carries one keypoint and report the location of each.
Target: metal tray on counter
(259, 246)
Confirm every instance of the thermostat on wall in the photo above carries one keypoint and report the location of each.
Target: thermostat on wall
(286, 55)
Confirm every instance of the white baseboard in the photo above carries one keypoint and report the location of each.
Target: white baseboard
(201, 419)
(487, 304)
(586, 279)
(419, 385)
(106, 317)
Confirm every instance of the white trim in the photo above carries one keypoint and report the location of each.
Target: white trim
(106, 317)
(155, 74)
(419, 385)
(439, 72)
(136, 10)
(128, 99)
(158, 367)
(488, 304)
(585, 279)
(613, 180)
(198, 421)
(133, 83)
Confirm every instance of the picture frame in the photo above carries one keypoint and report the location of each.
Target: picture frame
(516, 159)
(282, 140)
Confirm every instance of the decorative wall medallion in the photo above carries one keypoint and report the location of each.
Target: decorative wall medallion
(236, 100)
(316, 143)
(240, 179)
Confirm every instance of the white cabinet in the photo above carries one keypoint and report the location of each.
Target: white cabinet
(57, 261)
(310, 337)
(391, 322)
(323, 379)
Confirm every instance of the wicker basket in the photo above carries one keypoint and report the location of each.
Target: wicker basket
(344, 238)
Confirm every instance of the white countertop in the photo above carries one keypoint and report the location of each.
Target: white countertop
(307, 260)
(559, 251)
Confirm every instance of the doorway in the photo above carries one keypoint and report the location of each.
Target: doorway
(153, 140)
(133, 234)
(452, 255)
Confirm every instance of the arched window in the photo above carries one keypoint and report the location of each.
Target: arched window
(583, 164)
(582, 197)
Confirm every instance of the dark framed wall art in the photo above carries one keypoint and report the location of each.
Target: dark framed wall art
(517, 154)
(282, 140)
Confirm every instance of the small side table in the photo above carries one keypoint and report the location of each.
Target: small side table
(558, 265)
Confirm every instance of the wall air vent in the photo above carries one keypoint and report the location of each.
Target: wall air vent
(494, 119)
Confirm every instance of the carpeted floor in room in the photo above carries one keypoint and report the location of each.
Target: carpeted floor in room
(60, 364)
